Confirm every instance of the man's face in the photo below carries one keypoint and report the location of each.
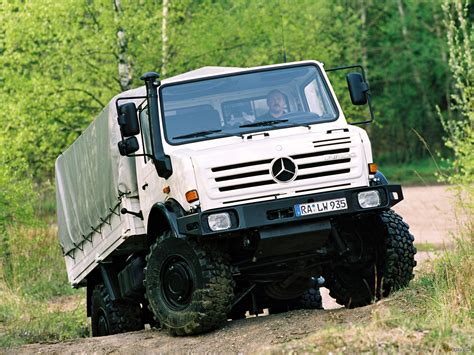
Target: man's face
(276, 104)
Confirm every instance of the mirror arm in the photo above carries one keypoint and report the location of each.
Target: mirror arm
(349, 67)
(369, 101)
(140, 155)
(370, 110)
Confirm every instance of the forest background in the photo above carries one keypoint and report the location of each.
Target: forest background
(61, 61)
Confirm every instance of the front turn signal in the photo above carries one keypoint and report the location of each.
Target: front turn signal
(372, 168)
(192, 196)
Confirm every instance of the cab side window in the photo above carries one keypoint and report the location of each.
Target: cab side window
(145, 125)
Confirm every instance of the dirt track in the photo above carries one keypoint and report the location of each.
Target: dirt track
(428, 210)
(432, 213)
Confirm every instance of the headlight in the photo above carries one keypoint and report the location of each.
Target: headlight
(369, 199)
(219, 221)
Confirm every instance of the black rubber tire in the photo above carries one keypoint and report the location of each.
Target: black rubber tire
(208, 291)
(113, 317)
(391, 268)
(311, 299)
(353, 287)
(400, 258)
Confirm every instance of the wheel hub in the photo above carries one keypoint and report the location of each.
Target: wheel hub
(177, 283)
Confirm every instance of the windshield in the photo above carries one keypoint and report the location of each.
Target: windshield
(245, 103)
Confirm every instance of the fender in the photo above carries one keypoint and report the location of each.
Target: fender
(163, 217)
(382, 180)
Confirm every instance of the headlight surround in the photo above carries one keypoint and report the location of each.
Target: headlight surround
(219, 221)
(368, 199)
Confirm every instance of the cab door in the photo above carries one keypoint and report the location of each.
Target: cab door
(150, 185)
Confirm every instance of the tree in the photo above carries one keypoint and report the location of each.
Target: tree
(460, 125)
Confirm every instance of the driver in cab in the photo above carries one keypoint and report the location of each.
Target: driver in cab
(276, 106)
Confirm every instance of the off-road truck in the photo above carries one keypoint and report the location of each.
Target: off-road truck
(191, 201)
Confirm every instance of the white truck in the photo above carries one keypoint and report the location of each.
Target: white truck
(221, 191)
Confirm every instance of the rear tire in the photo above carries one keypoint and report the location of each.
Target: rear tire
(310, 299)
(113, 317)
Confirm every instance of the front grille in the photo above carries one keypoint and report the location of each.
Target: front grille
(240, 165)
(330, 157)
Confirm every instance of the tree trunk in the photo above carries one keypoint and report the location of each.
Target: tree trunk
(363, 37)
(124, 65)
(164, 39)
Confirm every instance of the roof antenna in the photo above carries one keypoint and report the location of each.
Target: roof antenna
(282, 34)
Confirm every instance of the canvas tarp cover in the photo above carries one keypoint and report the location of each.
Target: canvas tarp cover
(91, 176)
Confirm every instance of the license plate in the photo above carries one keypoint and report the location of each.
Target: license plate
(305, 209)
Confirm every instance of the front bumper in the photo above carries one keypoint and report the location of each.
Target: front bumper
(281, 211)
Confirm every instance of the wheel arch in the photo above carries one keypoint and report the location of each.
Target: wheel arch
(381, 178)
(163, 217)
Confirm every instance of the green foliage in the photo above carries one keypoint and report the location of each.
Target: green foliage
(459, 125)
(421, 172)
(408, 75)
(60, 60)
(16, 205)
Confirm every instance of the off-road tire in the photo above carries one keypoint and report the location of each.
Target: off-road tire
(113, 317)
(190, 290)
(310, 299)
(400, 257)
(391, 269)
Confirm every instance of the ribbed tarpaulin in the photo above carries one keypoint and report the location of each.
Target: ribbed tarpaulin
(91, 176)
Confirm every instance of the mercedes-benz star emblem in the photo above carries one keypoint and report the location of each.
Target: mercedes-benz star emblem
(284, 169)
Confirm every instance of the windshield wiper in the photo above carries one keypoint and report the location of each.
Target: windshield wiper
(198, 134)
(263, 123)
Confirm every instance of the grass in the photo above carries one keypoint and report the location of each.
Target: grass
(430, 247)
(36, 301)
(422, 172)
(25, 320)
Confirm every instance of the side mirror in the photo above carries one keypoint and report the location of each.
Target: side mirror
(128, 120)
(358, 88)
(128, 146)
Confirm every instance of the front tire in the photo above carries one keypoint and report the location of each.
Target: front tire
(387, 258)
(401, 251)
(113, 317)
(190, 290)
